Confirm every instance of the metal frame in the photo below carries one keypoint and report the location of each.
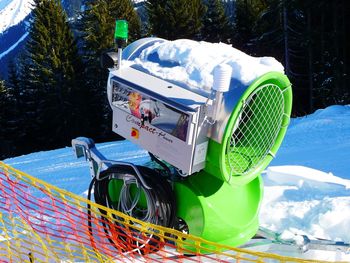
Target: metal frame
(187, 155)
(255, 130)
(85, 147)
(306, 243)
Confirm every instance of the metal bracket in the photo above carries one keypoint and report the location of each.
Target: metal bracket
(85, 147)
(306, 243)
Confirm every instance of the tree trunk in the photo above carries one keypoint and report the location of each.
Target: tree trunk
(285, 33)
(344, 43)
(310, 64)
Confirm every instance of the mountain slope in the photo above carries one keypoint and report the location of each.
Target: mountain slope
(14, 25)
(12, 12)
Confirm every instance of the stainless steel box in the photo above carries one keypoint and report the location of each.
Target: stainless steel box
(165, 119)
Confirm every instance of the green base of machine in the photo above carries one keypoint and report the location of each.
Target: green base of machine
(217, 211)
(221, 203)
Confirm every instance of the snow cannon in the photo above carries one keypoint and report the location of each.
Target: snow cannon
(207, 145)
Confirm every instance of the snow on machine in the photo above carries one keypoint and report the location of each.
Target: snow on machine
(207, 146)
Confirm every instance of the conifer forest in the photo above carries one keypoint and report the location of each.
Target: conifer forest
(56, 90)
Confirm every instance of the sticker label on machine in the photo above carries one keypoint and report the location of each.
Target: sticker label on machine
(135, 122)
(200, 153)
(162, 144)
(149, 110)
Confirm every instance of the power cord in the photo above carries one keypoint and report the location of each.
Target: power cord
(160, 208)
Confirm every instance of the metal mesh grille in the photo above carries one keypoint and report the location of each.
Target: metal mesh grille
(255, 130)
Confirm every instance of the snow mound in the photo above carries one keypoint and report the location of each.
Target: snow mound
(192, 63)
(332, 111)
(302, 200)
(300, 175)
(320, 140)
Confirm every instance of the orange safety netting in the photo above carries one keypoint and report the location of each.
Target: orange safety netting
(42, 223)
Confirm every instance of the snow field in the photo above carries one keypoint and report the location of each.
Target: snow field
(301, 200)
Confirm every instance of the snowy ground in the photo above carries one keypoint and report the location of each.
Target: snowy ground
(307, 186)
(315, 200)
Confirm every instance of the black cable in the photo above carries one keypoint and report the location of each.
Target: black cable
(170, 173)
(89, 212)
(103, 221)
(163, 165)
(161, 194)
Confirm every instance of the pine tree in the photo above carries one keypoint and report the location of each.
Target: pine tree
(51, 78)
(308, 37)
(2, 113)
(13, 130)
(2, 92)
(216, 24)
(246, 14)
(3, 98)
(13, 81)
(329, 24)
(97, 32)
(176, 18)
(284, 31)
(6, 146)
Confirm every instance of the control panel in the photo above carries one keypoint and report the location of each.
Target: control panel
(161, 117)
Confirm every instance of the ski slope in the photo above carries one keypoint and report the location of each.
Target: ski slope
(307, 186)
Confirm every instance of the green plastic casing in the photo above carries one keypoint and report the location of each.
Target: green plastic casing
(223, 208)
(216, 205)
(216, 151)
